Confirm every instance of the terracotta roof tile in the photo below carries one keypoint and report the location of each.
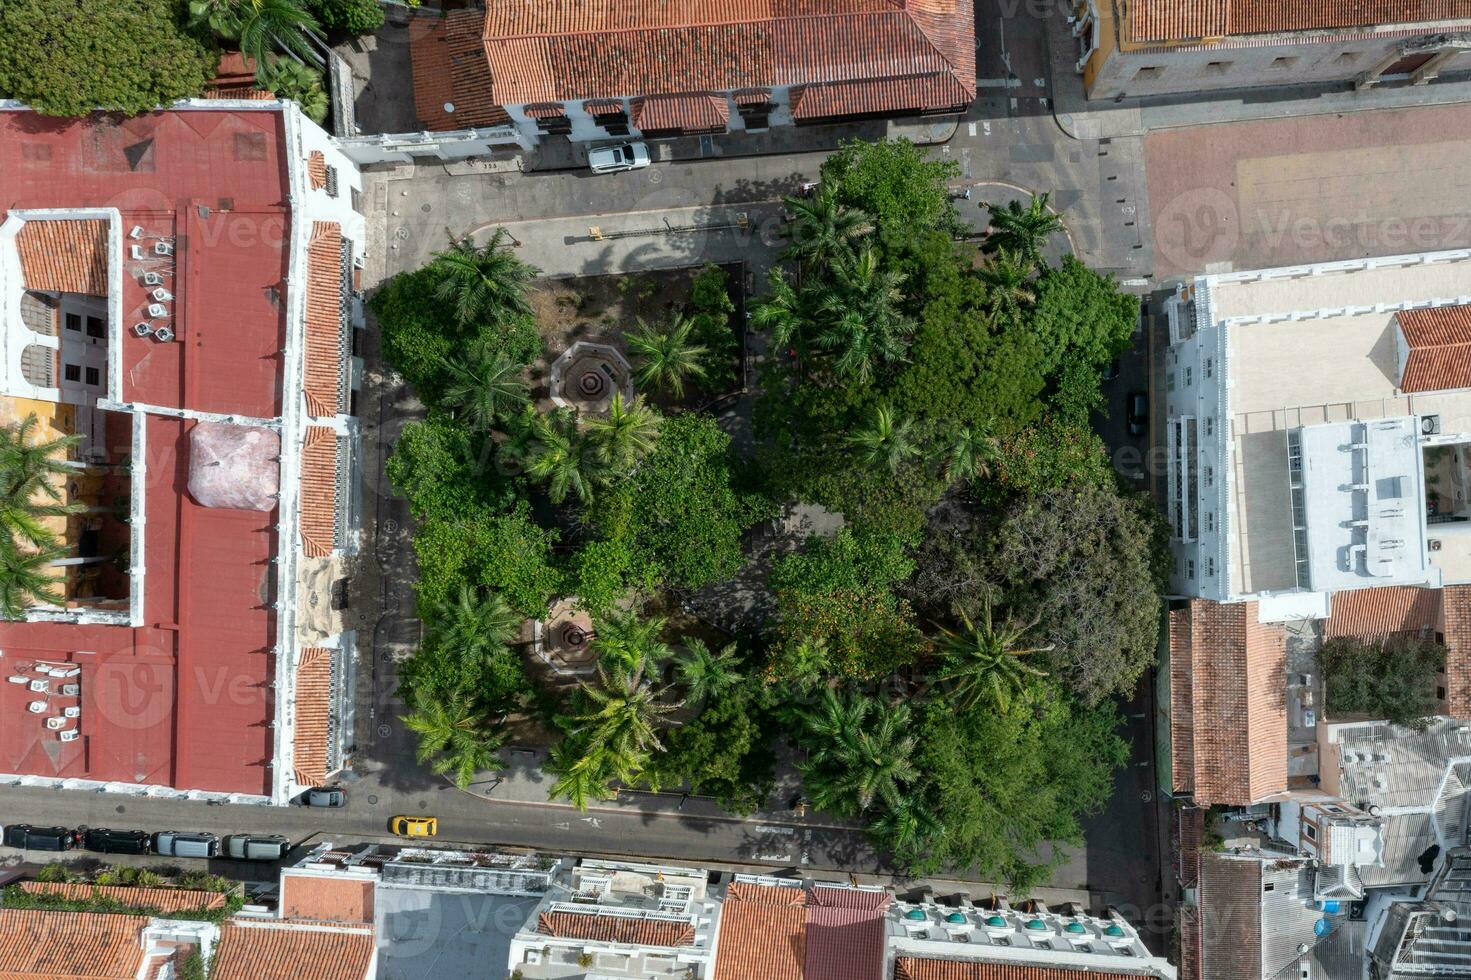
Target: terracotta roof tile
(705, 110)
(322, 374)
(1230, 901)
(1189, 931)
(616, 929)
(1181, 20)
(447, 59)
(921, 968)
(1189, 830)
(844, 944)
(163, 899)
(319, 492)
(927, 93)
(246, 92)
(851, 898)
(43, 945)
(1456, 612)
(266, 949)
(562, 50)
(313, 716)
(331, 898)
(1380, 612)
(66, 255)
(316, 168)
(1439, 341)
(762, 934)
(1236, 723)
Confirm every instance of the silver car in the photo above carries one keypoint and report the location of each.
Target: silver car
(622, 156)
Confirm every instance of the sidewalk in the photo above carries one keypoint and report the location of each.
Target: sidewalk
(561, 154)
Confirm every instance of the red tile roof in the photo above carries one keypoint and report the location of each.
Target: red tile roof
(1439, 341)
(43, 945)
(65, 255)
(1380, 612)
(319, 491)
(1230, 901)
(1189, 932)
(316, 168)
(919, 968)
(162, 899)
(844, 944)
(1456, 625)
(447, 57)
(763, 934)
(563, 50)
(332, 898)
(322, 373)
(705, 110)
(616, 929)
(184, 699)
(258, 950)
(313, 716)
(1189, 830)
(1183, 20)
(851, 898)
(1228, 724)
(927, 93)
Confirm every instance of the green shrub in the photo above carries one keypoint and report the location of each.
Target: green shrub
(353, 16)
(1392, 679)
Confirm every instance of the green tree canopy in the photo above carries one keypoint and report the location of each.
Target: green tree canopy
(445, 471)
(507, 552)
(1392, 679)
(896, 184)
(69, 57)
(724, 752)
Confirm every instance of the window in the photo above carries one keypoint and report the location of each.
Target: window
(94, 377)
(1190, 568)
(1310, 831)
(1216, 68)
(74, 321)
(1210, 567)
(1210, 476)
(1147, 73)
(1189, 376)
(1169, 381)
(1210, 366)
(331, 184)
(1210, 425)
(1282, 64)
(1270, 886)
(1210, 520)
(72, 372)
(96, 327)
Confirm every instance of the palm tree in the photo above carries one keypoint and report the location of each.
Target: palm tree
(486, 283)
(562, 457)
(888, 443)
(485, 387)
(668, 358)
(860, 322)
(260, 26)
(986, 660)
(1022, 230)
(964, 453)
(26, 578)
(626, 642)
(299, 82)
(861, 753)
(624, 712)
(32, 474)
(1008, 280)
(705, 674)
(474, 625)
(626, 434)
(908, 828)
(822, 230)
(581, 773)
(453, 738)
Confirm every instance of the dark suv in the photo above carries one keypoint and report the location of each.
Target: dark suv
(41, 838)
(106, 841)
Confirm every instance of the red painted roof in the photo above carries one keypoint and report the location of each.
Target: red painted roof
(1380, 612)
(562, 50)
(1183, 20)
(1439, 339)
(775, 933)
(185, 699)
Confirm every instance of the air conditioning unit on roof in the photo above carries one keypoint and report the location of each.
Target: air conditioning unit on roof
(1430, 425)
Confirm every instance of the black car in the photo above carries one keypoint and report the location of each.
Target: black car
(1138, 413)
(106, 841)
(41, 838)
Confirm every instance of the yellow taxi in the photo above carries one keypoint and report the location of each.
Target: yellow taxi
(414, 826)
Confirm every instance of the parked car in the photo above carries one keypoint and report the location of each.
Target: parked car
(106, 841)
(324, 796)
(174, 843)
(623, 156)
(414, 826)
(41, 838)
(249, 847)
(1138, 413)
